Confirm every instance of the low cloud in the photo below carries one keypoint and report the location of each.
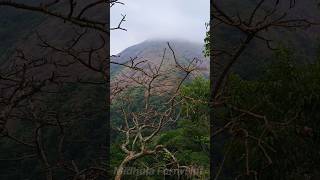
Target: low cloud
(147, 19)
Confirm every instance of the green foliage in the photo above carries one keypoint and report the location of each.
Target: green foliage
(190, 140)
(287, 94)
(206, 50)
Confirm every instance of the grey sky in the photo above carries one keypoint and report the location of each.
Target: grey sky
(180, 19)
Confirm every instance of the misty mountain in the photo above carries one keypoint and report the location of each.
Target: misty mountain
(153, 51)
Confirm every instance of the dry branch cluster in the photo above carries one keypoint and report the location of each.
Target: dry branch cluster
(140, 127)
(69, 47)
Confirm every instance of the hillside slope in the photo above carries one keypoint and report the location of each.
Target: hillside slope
(152, 51)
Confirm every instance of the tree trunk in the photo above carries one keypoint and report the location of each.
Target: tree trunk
(121, 167)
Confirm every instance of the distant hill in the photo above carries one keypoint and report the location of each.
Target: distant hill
(152, 51)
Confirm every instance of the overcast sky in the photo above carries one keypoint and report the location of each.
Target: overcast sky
(149, 19)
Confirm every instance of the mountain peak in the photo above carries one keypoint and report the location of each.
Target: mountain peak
(152, 50)
(170, 40)
(156, 46)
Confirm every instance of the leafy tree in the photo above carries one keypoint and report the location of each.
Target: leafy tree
(272, 122)
(190, 140)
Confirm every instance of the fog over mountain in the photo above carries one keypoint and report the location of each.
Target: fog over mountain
(152, 50)
(179, 19)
